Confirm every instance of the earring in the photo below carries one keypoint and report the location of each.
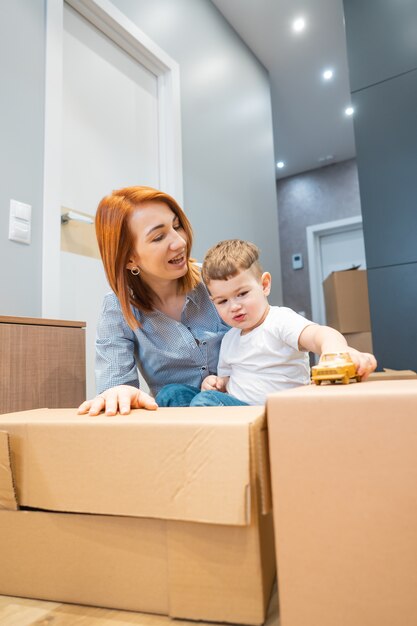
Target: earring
(135, 271)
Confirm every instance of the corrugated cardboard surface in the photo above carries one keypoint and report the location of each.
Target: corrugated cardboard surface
(195, 463)
(388, 374)
(344, 476)
(165, 465)
(184, 570)
(87, 559)
(347, 301)
(360, 341)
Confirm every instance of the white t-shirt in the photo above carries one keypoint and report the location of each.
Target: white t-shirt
(266, 359)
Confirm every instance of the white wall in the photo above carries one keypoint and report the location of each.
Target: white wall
(228, 159)
(228, 162)
(22, 79)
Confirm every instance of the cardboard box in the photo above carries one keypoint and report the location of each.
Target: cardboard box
(347, 302)
(166, 512)
(360, 341)
(344, 476)
(388, 374)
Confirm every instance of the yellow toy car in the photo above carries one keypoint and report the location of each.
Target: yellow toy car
(337, 367)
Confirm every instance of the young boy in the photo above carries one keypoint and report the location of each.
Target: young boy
(266, 350)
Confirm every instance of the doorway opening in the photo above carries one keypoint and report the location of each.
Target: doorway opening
(332, 246)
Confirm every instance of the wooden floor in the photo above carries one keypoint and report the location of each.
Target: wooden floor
(24, 612)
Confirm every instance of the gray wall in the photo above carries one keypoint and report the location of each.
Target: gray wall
(228, 160)
(382, 55)
(322, 195)
(22, 79)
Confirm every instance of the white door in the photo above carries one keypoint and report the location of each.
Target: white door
(339, 251)
(110, 140)
(332, 246)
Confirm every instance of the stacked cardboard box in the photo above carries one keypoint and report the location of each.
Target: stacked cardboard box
(344, 476)
(347, 307)
(165, 512)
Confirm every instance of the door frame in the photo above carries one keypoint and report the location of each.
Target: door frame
(314, 234)
(112, 22)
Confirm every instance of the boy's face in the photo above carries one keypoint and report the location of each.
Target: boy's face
(242, 301)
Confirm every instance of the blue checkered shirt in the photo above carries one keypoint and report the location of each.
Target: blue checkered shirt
(164, 350)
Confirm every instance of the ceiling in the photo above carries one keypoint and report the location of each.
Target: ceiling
(310, 127)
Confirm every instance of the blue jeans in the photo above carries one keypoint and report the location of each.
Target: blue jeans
(186, 395)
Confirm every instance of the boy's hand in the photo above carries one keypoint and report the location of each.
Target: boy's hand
(325, 340)
(214, 383)
(365, 362)
(209, 383)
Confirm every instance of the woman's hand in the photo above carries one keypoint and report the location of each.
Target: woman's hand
(121, 398)
(365, 362)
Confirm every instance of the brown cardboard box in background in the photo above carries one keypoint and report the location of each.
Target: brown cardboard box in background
(166, 512)
(347, 303)
(344, 475)
(360, 341)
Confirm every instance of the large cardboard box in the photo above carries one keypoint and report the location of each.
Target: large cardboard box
(388, 374)
(165, 512)
(344, 476)
(347, 302)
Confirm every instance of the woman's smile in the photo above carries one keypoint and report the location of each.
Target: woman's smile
(179, 260)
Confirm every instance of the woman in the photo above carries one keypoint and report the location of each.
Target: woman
(159, 317)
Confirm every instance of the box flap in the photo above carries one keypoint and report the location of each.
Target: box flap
(7, 494)
(261, 465)
(180, 464)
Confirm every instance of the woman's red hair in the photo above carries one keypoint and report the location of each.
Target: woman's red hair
(116, 245)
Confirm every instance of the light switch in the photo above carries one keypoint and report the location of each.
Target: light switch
(20, 222)
(21, 211)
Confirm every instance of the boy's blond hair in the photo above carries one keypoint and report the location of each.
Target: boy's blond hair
(227, 258)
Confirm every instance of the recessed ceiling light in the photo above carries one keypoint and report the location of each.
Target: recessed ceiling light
(298, 24)
(280, 165)
(349, 111)
(327, 74)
